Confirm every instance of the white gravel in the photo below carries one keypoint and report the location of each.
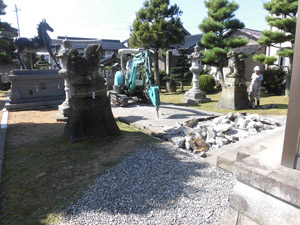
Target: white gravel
(157, 184)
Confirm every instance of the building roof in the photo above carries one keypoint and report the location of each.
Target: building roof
(189, 41)
(111, 44)
(107, 44)
(248, 49)
(109, 58)
(254, 33)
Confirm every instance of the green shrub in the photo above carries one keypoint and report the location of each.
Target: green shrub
(274, 80)
(206, 83)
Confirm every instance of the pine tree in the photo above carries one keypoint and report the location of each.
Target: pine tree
(6, 45)
(283, 18)
(216, 28)
(180, 72)
(157, 25)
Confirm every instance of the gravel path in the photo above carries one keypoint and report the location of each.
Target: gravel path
(157, 184)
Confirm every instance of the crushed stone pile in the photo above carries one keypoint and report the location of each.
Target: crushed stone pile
(200, 137)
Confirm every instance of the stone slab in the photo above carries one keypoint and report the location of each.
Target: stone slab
(264, 172)
(3, 130)
(245, 220)
(227, 159)
(233, 217)
(230, 216)
(251, 145)
(261, 207)
(143, 116)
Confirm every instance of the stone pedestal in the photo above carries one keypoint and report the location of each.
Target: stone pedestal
(35, 89)
(234, 94)
(90, 112)
(195, 96)
(265, 191)
(90, 118)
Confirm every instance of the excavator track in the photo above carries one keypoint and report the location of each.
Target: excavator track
(119, 99)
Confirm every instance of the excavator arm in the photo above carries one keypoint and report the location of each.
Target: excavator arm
(144, 58)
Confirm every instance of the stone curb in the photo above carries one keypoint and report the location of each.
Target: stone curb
(144, 129)
(3, 129)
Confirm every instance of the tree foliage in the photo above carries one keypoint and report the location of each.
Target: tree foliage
(2, 8)
(216, 28)
(274, 80)
(6, 45)
(180, 72)
(157, 25)
(283, 19)
(207, 83)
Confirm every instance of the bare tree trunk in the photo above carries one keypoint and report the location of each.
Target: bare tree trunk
(156, 71)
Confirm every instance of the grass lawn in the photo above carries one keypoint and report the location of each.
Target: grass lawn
(280, 101)
(40, 178)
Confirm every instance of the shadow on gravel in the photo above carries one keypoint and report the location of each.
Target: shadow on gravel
(149, 179)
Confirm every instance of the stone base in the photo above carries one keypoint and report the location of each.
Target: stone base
(265, 192)
(64, 109)
(90, 118)
(234, 95)
(60, 117)
(35, 89)
(32, 105)
(195, 96)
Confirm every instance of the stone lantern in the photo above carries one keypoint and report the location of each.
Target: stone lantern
(62, 56)
(195, 94)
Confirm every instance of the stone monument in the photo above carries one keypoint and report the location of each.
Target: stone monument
(62, 56)
(195, 94)
(90, 112)
(234, 94)
(35, 88)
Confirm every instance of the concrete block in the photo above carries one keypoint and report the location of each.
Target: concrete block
(230, 217)
(284, 183)
(227, 159)
(262, 207)
(244, 220)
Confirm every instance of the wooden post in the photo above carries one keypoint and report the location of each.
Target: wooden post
(290, 152)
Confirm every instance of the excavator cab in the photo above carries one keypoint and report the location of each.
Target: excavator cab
(135, 80)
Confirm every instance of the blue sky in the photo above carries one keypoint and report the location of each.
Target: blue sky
(111, 19)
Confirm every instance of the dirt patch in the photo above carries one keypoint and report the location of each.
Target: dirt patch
(32, 126)
(43, 171)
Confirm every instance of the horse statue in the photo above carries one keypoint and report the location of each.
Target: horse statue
(40, 43)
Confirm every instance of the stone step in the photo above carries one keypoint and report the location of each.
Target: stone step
(265, 191)
(226, 156)
(227, 159)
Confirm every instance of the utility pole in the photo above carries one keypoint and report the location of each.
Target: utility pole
(16, 10)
